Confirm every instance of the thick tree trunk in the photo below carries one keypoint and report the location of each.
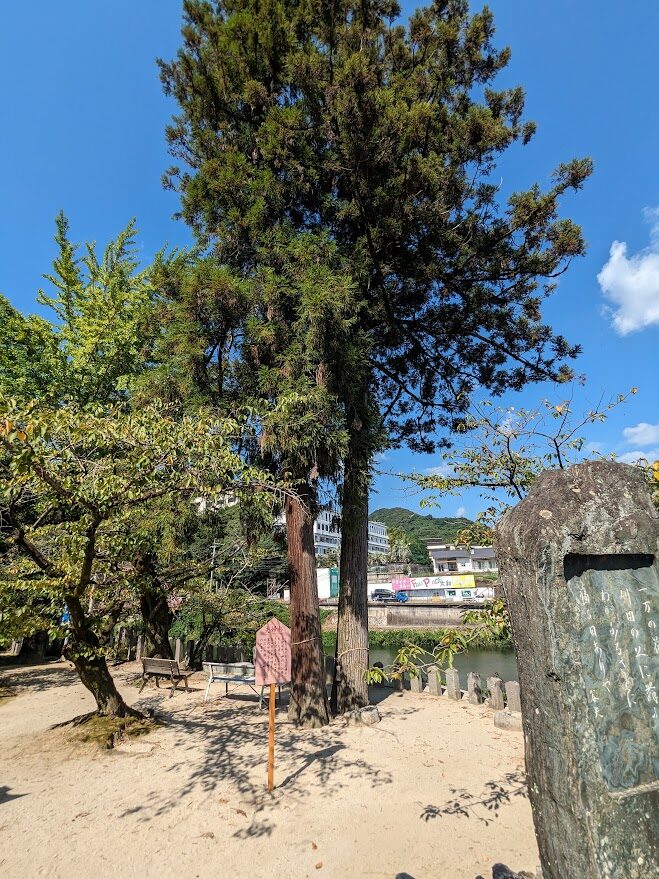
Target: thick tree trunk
(157, 619)
(156, 615)
(82, 649)
(308, 705)
(350, 689)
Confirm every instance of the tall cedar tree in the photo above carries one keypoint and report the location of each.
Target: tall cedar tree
(334, 116)
(269, 338)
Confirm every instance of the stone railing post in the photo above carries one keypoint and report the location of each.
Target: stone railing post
(474, 689)
(495, 699)
(453, 684)
(434, 681)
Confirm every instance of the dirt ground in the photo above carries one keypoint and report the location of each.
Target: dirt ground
(432, 792)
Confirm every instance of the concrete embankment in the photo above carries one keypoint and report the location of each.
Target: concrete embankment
(416, 616)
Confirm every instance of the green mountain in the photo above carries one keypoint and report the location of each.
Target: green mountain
(418, 528)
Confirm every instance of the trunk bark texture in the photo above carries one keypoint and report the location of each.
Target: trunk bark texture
(157, 619)
(155, 611)
(350, 689)
(83, 651)
(308, 705)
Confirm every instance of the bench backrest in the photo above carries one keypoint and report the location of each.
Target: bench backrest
(160, 666)
(233, 669)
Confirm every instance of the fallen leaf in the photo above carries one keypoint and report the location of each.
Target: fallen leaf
(241, 812)
(207, 835)
(314, 846)
(319, 865)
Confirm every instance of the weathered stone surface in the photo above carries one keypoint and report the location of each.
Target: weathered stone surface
(369, 715)
(513, 702)
(495, 699)
(416, 683)
(508, 720)
(453, 684)
(474, 689)
(434, 681)
(578, 562)
(500, 871)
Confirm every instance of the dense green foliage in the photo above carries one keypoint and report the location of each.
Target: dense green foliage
(419, 528)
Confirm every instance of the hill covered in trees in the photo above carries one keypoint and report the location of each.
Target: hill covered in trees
(418, 528)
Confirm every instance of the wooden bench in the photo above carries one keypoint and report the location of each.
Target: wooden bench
(233, 673)
(164, 668)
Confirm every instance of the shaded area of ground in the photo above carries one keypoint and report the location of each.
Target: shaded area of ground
(190, 798)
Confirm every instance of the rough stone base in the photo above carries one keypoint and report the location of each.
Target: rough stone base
(508, 720)
(500, 871)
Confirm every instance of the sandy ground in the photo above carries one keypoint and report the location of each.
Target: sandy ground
(432, 792)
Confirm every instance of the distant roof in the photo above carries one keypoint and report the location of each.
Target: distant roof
(482, 552)
(449, 553)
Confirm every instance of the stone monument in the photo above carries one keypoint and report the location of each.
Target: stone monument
(579, 563)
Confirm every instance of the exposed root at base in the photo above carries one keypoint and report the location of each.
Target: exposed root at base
(108, 731)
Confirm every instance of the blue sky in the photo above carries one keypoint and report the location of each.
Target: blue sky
(83, 128)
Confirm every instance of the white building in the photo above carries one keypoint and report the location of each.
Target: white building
(327, 534)
(447, 558)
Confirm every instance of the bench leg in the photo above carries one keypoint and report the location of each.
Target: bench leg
(171, 692)
(158, 681)
(208, 686)
(186, 684)
(144, 680)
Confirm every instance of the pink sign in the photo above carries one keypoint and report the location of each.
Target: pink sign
(401, 584)
(272, 657)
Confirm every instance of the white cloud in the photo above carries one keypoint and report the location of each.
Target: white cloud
(635, 457)
(632, 283)
(643, 434)
(441, 470)
(461, 513)
(595, 448)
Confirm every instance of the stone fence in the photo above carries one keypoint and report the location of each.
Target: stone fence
(500, 697)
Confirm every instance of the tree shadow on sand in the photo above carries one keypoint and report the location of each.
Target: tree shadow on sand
(39, 678)
(491, 799)
(220, 742)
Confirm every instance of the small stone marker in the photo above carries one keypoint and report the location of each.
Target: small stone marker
(508, 720)
(513, 702)
(272, 665)
(434, 681)
(140, 647)
(495, 699)
(177, 650)
(474, 689)
(578, 559)
(453, 684)
(416, 683)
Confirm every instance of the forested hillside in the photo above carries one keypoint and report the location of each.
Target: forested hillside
(418, 528)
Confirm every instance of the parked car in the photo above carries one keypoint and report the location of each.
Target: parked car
(402, 597)
(382, 595)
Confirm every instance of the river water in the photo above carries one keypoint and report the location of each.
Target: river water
(483, 662)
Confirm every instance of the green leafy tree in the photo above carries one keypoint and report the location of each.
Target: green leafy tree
(336, 117)
(99, 304)
(31, 362)
(74, 481)
(501, 450)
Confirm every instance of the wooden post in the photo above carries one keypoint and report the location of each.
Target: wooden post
(271, 739)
